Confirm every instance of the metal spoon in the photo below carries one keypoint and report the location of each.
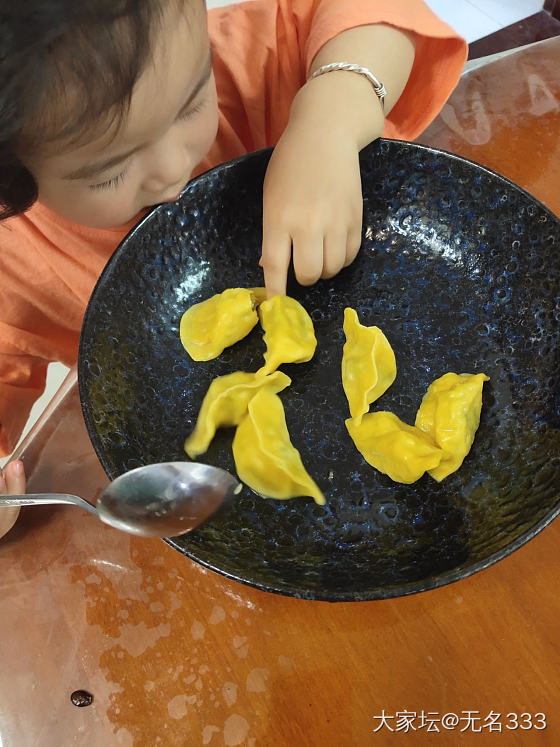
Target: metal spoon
(158, 500)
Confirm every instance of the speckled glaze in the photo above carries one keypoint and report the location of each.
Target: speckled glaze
(458, 267)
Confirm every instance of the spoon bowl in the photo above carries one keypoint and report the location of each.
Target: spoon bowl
(158, 500)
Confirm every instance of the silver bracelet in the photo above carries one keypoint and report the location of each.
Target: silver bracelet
(378, 86)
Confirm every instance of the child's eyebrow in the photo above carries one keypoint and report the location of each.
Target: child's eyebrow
(94, 169)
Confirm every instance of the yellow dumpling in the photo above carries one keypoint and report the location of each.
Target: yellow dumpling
(368, 364)
(288, 333)
(210, 326)
(450, 414)
(225, 404)
(400, 451)
(265, 458)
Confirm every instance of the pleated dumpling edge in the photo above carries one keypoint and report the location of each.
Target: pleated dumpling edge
(206, 328)
(265, 458)
(368, 364)
(289, 334)
(225, 404)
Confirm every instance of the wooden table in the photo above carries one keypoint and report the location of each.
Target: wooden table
(177, 655)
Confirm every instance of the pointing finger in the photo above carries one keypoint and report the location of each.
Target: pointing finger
(275, 260)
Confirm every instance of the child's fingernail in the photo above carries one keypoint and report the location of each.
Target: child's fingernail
(18, 467)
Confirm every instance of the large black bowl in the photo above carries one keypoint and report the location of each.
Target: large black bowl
(459, 267)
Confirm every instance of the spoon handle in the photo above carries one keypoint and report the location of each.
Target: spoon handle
(34, 499)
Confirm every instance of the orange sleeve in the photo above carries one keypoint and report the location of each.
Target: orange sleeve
(42, 299)
(439, 59)
(263, 50)
(22, 381)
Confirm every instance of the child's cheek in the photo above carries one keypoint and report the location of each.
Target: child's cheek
(114, 209)
(100, 210)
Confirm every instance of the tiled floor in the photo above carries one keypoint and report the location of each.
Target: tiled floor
(473, 19)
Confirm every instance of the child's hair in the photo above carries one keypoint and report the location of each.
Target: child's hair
(64, 65)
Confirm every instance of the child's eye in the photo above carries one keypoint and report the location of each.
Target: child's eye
(192, 111)
(110, 183)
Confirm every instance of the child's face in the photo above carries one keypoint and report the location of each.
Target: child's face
(169, 128)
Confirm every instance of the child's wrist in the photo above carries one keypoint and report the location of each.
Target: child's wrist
(342, 100)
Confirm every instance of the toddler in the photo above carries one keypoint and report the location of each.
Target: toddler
(108, 107)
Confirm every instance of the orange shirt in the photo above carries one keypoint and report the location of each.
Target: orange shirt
(263, 50)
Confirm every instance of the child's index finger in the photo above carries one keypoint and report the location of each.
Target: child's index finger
(275, 260)
(275, 286)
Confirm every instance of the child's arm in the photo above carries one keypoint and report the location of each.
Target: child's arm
(312, 204)
(12, 481)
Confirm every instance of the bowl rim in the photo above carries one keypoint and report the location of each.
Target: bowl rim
(374, 593)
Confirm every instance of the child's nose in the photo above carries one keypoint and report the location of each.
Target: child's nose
(168, 168)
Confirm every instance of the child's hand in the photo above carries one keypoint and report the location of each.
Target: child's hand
(12, 480)
(312, 201)
(312, 206)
